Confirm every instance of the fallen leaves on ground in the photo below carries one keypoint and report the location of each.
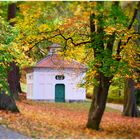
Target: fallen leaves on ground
(66, 120)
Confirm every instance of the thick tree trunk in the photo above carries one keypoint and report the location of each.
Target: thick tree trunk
(98, 102)
(13, 80)
(7, 103)
(130, 106)
(14, 73)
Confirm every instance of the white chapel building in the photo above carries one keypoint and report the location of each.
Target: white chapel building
(56, 79)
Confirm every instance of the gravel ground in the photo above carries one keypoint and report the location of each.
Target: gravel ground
(6, 133)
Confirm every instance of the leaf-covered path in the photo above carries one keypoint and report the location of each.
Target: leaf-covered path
(6, 133)
(67, 120)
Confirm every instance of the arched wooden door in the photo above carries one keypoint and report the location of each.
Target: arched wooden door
(60, 93)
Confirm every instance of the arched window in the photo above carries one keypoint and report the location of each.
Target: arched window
(59, 77)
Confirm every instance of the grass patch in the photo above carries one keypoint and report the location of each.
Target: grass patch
(115, 94)
(79, 106)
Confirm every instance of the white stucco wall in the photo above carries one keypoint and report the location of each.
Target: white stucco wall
(29, 77)
(44, 82)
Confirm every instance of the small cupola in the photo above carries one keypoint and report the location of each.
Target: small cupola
(54, 49)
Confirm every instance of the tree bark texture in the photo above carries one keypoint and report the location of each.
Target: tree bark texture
(130, 106)
(14, 73)
(14, 80)
(98, 102)
(11, 12)
(101, 89)
(7, 103)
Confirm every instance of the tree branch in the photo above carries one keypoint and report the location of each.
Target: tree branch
(85, 42)
(129, 27)
(58, 34)
(111, 42)
(134, 16)
(40, 42)
(72, 41)
(119, 50)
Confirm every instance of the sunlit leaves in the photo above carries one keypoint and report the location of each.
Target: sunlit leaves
(39, 24)
(9, 51)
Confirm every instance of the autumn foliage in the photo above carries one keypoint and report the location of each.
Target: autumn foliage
(67, 120)
(102, 35)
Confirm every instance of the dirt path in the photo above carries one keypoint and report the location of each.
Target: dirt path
(6, 133)
(115, 106)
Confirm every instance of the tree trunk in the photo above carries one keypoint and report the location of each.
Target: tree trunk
(11, 12)
(7, 103)
(14, 74)
(14, 80)
(98, 102)
(130, 106)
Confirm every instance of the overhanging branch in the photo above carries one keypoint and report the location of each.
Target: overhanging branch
(119, 49)
(72, 41)
(57, 34)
